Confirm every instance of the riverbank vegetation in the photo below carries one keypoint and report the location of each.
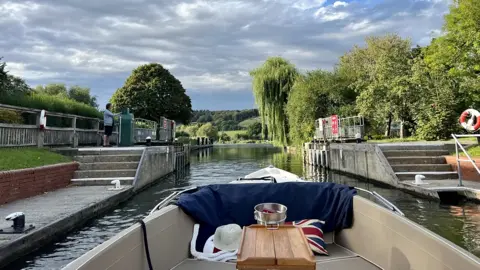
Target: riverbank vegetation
(386, 80)
(21, 158)
(53, 97)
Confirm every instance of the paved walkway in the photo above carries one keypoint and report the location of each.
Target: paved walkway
(471, 189)
(44, 209)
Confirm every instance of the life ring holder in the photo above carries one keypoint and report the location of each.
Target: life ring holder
(43, 120)
(469, 125)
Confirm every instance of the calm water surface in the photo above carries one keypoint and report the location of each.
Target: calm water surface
(459, 224)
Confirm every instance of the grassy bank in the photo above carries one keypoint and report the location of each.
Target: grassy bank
(21, 158)
(232, 133)
(472, 151)
(413, 139)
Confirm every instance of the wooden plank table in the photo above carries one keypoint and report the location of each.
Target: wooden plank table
(280, 249)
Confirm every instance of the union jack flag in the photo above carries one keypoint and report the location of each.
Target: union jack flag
(312, 228)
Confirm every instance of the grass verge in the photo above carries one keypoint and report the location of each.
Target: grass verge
(413, 139)
(21, 158)
(232, 133)
(473, 151)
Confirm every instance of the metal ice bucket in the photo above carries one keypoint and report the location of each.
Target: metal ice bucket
(270, 214)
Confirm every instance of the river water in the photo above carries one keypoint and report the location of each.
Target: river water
(459, 224)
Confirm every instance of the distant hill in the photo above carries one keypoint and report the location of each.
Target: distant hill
(227, 120)
(248, 122)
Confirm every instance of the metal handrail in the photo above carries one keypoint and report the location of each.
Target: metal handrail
(170, 197)
(385, 202)
(469, 159)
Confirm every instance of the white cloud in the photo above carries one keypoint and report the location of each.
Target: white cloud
(327, 14)
(22, 70)
(207, 44)
(340, 4)
(308, 4)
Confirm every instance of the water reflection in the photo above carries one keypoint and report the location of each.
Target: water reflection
(459, 224)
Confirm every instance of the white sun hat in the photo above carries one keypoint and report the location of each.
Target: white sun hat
(228, 237)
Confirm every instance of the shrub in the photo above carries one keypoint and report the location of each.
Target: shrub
(10, 117)
(183, 140)
(179, 134)
(51, 103)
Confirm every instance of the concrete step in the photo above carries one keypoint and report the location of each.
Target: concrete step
(411, 146)
(109, 166)
(416, 160)
(413, 153)
(104, 173)
(440, 175)
(421, 167)
(102, 181)
(100, 158)
(109, 152)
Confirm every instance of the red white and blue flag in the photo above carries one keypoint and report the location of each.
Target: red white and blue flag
(312, 229)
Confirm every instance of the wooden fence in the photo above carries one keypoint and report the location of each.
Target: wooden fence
(14, 135)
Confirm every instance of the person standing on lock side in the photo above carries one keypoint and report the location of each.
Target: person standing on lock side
(108, 124)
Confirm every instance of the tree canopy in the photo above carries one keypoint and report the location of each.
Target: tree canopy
(151, 92)
(208, 130)
(380, 74)
(272, 82)
(317, 94)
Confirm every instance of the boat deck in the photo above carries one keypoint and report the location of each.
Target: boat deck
(339, 258)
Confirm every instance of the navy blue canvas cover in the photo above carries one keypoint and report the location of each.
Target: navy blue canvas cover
(216, 205)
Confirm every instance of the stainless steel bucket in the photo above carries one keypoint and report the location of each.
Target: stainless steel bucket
(270, 214)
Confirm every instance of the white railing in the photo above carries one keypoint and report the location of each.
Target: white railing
(15, 135)
(469, 159)
(347, 129)
(144, 128)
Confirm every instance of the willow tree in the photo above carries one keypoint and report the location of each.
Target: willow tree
(272, 83)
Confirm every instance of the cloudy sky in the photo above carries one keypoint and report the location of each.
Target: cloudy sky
(209, 45)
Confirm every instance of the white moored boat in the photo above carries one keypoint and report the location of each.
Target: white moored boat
(269, 174)
(356, 233)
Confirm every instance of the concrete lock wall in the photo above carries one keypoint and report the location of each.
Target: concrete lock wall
(155, 163)
(365, 160)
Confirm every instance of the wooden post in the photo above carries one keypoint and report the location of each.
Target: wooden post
(74, 134)
(99, 136)
(40, 134)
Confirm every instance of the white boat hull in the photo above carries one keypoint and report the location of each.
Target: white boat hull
(279, 175)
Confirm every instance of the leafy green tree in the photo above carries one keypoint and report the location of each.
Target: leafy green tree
(272, 83)
(53, 89)
(208, 130)
(435, 108)
(10, 84)
(317, 94)
(82, 94)
(151, 92)
(447, 73)
(380, 74)
(224, 137)
(228, 125)
(192, 129)
(181, 134)
(457, 53)
(3, 74)
(254, 131)
(16, 85)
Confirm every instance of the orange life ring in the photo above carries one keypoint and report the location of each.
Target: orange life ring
(474, 116)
